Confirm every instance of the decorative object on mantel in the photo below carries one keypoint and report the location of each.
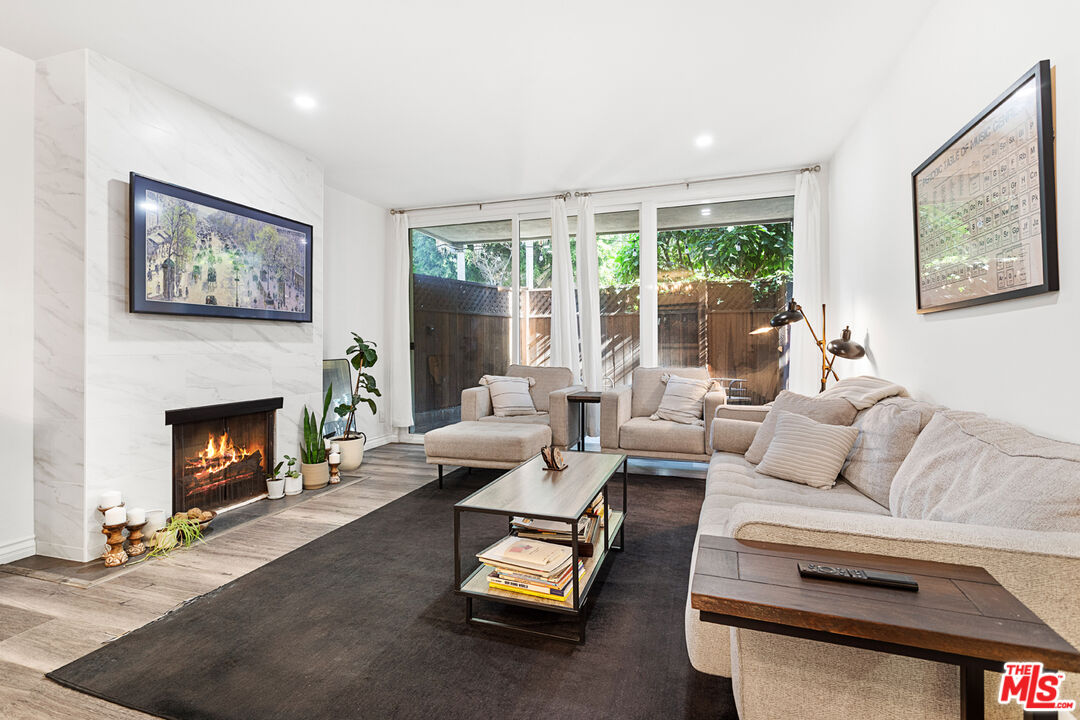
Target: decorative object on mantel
(844, 347)
(362, 354)
(553, 458)
(196, 254)
(114, 544)
(313, 448)
(109, 499)
(155, 520)
(334, 459)
(180, 531)
(293, 486)
(136, 546)
(984, 204)
(275, 485)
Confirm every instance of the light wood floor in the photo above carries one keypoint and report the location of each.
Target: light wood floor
(44, 624)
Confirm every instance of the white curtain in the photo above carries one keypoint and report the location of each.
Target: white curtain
(808, 285)
(564, 326)
(588, 276)
(397, 294)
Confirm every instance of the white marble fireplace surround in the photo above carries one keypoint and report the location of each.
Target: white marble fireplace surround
(103, 376)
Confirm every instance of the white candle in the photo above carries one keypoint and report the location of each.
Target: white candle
(335, 458)
(109, 499)
(115, 516)
(334, 447)
(136, 516)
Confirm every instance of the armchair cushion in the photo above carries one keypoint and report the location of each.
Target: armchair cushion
(510, 395)
(547, 380)
(683, 400)
(831, 411)
(642, 433)
(614, 411)
(649, 387)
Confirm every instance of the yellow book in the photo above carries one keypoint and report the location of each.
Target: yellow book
(492, 583)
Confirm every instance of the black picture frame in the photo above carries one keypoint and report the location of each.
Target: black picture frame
(139, 302)
(990, 218)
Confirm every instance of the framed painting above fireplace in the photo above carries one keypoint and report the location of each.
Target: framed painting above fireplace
(196, 254)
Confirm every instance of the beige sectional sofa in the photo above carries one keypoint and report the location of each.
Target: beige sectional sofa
(625, 426)
(959, 488)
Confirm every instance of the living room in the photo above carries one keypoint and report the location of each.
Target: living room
(424, 360)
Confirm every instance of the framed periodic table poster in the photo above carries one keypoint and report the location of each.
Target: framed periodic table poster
(985, 218)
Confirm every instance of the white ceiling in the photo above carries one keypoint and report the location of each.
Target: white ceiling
(430, 101)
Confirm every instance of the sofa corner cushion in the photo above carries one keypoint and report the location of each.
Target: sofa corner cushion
(806, 451)
(968, 468)
(830, 411)
(641, 433)
(887, 432)
(649, 387)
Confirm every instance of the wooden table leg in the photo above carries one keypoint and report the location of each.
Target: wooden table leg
(971, 693)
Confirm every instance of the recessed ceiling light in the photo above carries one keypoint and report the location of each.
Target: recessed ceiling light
(305, 102)
(706, 211)
(703, 141)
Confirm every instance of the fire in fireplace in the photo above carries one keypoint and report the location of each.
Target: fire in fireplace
(221, 453)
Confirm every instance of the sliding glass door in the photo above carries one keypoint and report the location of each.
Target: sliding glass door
(618, 256)
(461, 314)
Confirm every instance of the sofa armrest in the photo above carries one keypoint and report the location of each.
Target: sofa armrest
(614, 411)
(713, 400)
(733, 436)
(475, 403)
(754, 413)
(565, 425)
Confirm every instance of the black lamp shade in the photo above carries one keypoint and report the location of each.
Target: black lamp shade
(845, 347)
(785, 317)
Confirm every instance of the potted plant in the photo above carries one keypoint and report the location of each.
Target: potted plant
(313, 466)
(362, 354)
(293, 486)
(275, 486)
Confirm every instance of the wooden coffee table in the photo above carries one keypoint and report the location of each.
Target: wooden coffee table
(531, 490)
(960, 615)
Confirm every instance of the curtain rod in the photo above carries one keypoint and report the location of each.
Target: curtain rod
(566, 195)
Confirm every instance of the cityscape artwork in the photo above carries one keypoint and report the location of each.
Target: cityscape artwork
(195, 254)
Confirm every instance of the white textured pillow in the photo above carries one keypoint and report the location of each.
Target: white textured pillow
(806, 451)
(510, 395)
(683, 401)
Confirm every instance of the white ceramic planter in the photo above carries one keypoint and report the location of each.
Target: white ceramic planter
(316, 475)
(155, 520)
(275, 489)
(352, 451)
(293, 485)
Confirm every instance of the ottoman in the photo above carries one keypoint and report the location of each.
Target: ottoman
(485, 444)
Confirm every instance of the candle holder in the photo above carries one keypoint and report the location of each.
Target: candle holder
(114, 545)
(136, 546)
(335, 478)
(103, 509)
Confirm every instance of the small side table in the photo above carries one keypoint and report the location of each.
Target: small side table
(583, 398)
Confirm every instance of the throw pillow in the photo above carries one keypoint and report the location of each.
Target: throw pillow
(968, 468)
(887, 431)
(510, 395)
(806, 451)
(683, 401)
(831, 411)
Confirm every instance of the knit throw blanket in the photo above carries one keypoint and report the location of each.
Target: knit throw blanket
(864, 391)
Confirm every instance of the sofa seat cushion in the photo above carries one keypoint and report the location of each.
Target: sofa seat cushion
(641, 433)
(968, 468)
(540, 418)
(732, 479)
(491, 441)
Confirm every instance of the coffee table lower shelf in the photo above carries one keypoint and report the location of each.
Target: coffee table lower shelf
(475, 586)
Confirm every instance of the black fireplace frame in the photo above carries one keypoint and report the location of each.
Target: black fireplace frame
(219, 412)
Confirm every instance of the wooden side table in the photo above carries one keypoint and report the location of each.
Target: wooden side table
(583, 398)
(960, 615)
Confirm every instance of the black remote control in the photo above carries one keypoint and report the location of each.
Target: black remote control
(857, 575)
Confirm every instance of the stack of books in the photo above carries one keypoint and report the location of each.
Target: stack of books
(553, 531)
(531, 567)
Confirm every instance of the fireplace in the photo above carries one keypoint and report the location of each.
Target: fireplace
(221, 453)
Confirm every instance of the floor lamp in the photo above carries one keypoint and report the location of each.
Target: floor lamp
(844, 347)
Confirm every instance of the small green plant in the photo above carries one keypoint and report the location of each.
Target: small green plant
(276, 470)
(180, 532)
(290, 472)
(313, 446)
(362, 354)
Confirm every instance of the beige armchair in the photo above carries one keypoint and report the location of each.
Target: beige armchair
(625, 426)
(549, 393)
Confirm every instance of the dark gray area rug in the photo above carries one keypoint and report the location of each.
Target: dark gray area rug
(363, 623)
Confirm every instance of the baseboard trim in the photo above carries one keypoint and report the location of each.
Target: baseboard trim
(17, 549)
(63, 552)
(375, 442)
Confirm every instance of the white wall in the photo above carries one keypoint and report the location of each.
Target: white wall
(355, 294)
(1016, 359)
(99, 121)
(16, 295)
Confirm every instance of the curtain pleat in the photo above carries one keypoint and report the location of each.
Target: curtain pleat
(564, 326)
(400, 366)
(588, 276)
(808, 284)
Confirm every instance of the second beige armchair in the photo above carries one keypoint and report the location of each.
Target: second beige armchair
(625, 426)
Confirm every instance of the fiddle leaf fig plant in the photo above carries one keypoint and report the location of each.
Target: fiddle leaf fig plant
(362, 354)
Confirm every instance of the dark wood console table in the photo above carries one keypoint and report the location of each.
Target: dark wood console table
(960, 615)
